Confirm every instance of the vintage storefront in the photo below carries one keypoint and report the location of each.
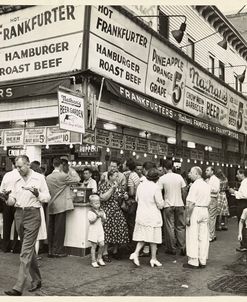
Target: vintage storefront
(145, 98)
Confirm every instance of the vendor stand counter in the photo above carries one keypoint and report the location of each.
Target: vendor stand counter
(75, 240)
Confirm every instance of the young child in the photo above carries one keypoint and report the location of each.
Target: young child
(242, 231)
(96, 217)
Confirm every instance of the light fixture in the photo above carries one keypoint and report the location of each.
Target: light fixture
(218, 164)
(212, 163)
(210, 149)
(181, 160)
(239, 167)
(134, 154)
(177, 34)
(144, 134)
(201, 162)
(223, 44)
(206, 148)
(47, 146)
(222, 165)
(230, 165)
(195, 161)
(71, 146)
(86, 163)
(145, 155)
(207, 163)
(173, 158)
(171, 140)
(241, 78)
(121, 152)
(164, 157)
(79, 163)
(155, 156)
(107, 149)
(188, 160)
(5, 148)
(74, 163)
(109, 126)
(227, 165)
(191, 145)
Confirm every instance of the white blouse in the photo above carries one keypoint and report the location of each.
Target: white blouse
(150, 202)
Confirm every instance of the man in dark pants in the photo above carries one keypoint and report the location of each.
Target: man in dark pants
(174, 188)
(8, 213)
(61, 201)
(29, 190)
(241, 198)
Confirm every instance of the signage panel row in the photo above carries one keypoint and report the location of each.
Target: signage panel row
(123, 51)
(37, 136)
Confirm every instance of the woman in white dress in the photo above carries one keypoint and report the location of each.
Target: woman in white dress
(148, 221)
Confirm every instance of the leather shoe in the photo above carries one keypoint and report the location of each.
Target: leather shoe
(106, 258)
(13, 292)
(35, 287)
(241, 249)
(60, 255)
(202, 265)
(187, 265)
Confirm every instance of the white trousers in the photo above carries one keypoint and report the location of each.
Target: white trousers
(197, 237)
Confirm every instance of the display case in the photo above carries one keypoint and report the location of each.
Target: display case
(80, 195)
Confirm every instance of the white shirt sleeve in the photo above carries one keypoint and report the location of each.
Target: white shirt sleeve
(94, 186)
(191, 197)
(242, 191)
(44, 195)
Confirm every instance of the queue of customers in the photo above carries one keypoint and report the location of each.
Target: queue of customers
(139, 208)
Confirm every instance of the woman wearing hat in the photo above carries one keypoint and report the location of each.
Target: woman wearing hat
(148, 221)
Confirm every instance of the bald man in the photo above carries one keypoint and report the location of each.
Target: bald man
(197, 231)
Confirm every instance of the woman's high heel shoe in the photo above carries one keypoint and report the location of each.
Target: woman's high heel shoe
(135, 259)
(155, 262)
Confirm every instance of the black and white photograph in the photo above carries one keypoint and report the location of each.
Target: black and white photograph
(123, 149)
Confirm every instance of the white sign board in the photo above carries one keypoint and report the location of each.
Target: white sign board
(41, 40)
(13, 137)
(55, 136)
(125, 58)
(35, 136)
(71, 111)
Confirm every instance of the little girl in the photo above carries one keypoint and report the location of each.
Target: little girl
(96, 217)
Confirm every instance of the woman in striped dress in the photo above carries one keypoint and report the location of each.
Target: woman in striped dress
(222, 205)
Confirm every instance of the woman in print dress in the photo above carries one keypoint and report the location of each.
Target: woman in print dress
(115, 226)
(222, 203)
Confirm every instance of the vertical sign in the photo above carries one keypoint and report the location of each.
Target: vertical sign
(71, 110)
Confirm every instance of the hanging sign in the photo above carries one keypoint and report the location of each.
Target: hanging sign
(117, 140)
(35, 136)
(142, 145)
(71, 110)
(130, 143)
(13, 137)
(153, 147)
(55, 136)
(103, 138)
(1, 138)
(163, 148)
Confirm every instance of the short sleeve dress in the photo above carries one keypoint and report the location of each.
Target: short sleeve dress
(95, 230)
(115, 226)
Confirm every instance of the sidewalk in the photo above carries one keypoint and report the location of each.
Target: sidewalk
(73, 276)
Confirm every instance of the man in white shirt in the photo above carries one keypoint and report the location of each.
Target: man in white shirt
(29, 190)
(241, 197)
(88, 181)
(174, 187)
(8, 212)
(214, 184)
(197, 232)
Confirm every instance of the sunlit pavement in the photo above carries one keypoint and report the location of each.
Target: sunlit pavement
(73, 276)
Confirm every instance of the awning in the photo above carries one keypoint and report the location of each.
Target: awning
(15, 91)
(157, 107)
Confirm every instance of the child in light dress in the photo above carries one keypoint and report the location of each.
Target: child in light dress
(96, 217)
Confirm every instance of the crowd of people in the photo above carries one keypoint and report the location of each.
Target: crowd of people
(138, 207)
